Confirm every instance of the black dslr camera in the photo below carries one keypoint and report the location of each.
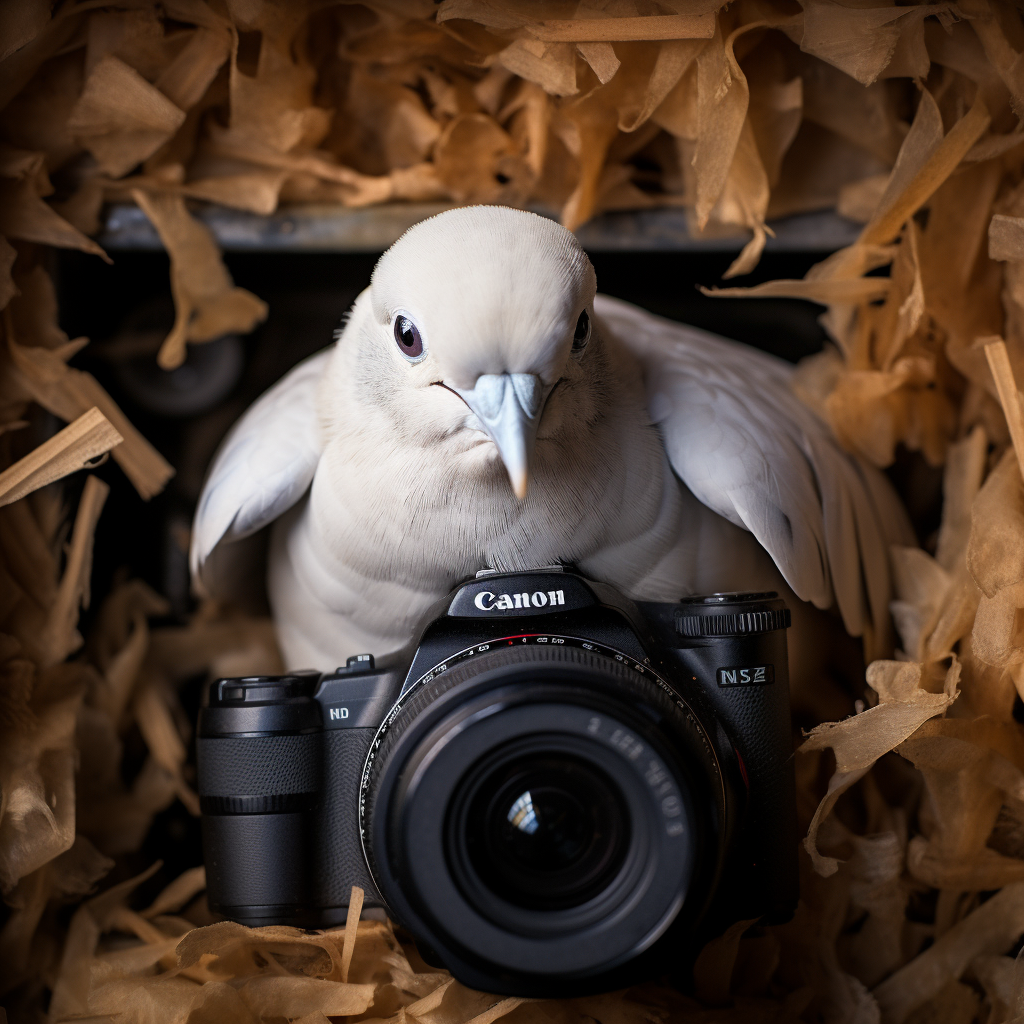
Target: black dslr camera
(556, 790)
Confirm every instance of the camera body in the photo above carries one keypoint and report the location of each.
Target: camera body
(555, 789)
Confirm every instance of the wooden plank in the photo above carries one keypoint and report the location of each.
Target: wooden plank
(68, 393)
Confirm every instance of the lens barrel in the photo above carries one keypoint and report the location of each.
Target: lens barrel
(542, 816)
(260, 782)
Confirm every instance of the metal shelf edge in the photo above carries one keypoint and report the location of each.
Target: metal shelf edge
(332, 229)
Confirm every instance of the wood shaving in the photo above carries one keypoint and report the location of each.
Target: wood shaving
(76, 446)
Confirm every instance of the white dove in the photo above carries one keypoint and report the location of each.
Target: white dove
(483, 407)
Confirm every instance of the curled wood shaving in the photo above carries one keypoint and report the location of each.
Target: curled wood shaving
(1009, 396)
(207, 304)
(59, 636)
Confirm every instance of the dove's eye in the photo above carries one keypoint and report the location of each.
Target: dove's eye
(582, 333)
(407, 334)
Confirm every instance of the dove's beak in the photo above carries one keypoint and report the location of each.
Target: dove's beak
(509, 407)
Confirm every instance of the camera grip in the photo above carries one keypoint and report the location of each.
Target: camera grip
(757, 721)
(257, 794)
(256, 766)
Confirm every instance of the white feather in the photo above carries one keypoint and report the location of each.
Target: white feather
(264, 465)
(749, 449)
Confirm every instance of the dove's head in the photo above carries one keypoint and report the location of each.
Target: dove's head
(481, 330)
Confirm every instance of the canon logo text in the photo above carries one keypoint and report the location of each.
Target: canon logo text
(489, 602)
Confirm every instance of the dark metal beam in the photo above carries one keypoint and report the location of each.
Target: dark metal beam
(372, 229)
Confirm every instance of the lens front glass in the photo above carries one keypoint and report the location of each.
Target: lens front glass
(546, 830)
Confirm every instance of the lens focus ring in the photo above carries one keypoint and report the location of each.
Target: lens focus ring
(258, 774)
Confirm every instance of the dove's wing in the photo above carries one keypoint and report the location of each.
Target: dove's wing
(749, 449)
(262, 468)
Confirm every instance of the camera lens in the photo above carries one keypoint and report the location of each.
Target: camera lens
(544, 815)
(546, 831)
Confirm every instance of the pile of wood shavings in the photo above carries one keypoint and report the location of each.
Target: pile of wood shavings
(906, 117)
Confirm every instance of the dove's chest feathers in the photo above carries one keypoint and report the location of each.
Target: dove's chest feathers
(429, 516)
(385, 534)
(398, 514)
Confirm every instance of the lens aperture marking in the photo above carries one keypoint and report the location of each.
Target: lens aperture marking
(643, 668)
(627, 743)
(657, 776)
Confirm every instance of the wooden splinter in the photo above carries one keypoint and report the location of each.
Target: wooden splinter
(1009, 396)
(88, 437)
